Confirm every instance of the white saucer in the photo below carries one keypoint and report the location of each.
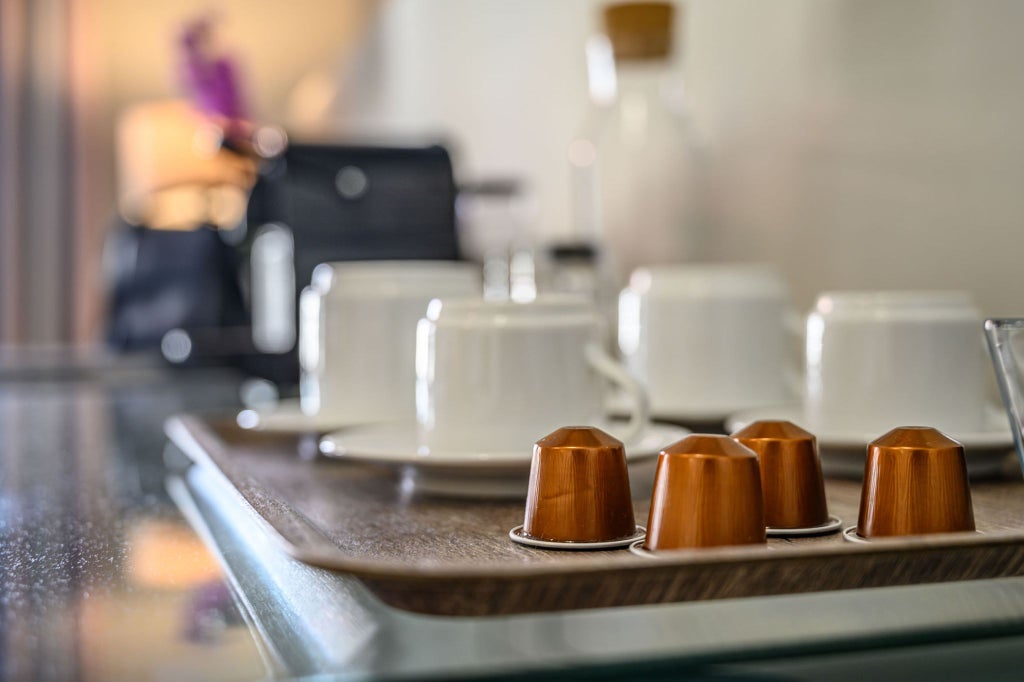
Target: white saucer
(842, 453)
(516, 535)
(399, 444)
(618, 405)
(499, 474)
(287, 417)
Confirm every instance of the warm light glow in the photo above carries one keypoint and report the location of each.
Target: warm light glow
(310, 102)
(172, 172)
(167, 554)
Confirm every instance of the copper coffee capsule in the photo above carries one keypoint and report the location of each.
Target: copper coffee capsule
(579, 488)
(791, 480)
(707, 493)
(915, 482)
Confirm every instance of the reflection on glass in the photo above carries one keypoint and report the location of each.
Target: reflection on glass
(1006, 344)
(100, 577)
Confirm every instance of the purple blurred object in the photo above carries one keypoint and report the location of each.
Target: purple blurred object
(210, 80)
(209, 610)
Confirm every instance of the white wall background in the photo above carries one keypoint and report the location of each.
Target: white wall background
(855, 143)
(503, 83)
(865, 143)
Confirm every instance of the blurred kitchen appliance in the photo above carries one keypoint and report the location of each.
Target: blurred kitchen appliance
(172, 278)
(326, 203)
(493, 216)
(164, 280)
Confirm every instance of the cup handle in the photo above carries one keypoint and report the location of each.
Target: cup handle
(613, 371)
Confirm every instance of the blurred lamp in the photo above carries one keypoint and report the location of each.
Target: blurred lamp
(173, 172)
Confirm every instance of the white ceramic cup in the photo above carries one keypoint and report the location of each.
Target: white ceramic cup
(494, 376)
(357, 335)
(881, 359)
(709, 339)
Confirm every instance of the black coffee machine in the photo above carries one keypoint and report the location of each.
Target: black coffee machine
(311, 204)
(319, 203)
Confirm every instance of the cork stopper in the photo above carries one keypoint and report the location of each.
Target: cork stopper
(640, 31)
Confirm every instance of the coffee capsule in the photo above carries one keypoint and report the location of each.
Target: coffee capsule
(915, 482)
(791, 480)
(579, 489)
(707, 493)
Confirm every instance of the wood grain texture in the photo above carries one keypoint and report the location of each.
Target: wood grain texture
(453, 557)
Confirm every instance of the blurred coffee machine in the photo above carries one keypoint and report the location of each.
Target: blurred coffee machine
(216, 244)
(322, 203)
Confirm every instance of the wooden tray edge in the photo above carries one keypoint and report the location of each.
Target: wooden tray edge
(192, 434)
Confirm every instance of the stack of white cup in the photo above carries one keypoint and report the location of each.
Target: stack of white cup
(708, 339)
(478, 376)
(357, 335)
(702, 341)
(496, 376)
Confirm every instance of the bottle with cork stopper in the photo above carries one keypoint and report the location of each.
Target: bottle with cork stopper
(635, 162)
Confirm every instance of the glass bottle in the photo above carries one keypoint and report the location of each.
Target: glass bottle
(634, 186)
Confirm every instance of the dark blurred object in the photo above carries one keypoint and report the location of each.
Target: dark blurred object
(162, 280)
(322, 203)
(358, 203)
(573, 268)
(178, 292)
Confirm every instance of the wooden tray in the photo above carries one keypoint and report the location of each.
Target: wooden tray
(453, 557)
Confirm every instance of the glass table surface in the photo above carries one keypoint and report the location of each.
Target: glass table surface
(117, 561)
